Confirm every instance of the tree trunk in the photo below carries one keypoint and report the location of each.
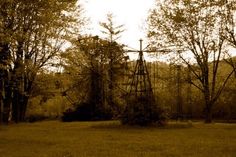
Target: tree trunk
(179, 94)
(25, 103)
(4, 81)
(23, 108)
(18, 78)
(111, 78)
(1, 96)
(7, 114)
(1, 109)
(111, 87)
(20, 102)
(15, 106)
(208, 117)
(208, 107)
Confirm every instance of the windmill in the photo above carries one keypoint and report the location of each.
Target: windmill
(140, 87)
(141, 108)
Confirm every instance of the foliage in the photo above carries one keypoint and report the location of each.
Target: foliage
(110, 29)
(86, 112)
(115, 60)
(47, 99)
(194, 28)
(87, 62)
(165, 87)
(32, 33)
(143, 112)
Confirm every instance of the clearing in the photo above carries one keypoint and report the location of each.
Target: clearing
(110, 139)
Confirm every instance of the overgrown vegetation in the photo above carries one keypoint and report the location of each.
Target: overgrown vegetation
(143, 112)
(91, 78)
(86, 112)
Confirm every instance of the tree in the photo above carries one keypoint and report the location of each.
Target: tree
(115, 56)
(229, 34)
(32, 34)
(195, 29)
(87, 61)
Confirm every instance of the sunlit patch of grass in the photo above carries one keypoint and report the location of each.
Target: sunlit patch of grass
(106, 139)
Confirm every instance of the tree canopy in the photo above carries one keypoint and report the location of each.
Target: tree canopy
(31, 34)
(194, 28)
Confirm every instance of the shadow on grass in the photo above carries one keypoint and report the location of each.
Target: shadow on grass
(117, 125)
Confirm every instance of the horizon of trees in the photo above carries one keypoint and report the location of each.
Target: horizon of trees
(96, 72)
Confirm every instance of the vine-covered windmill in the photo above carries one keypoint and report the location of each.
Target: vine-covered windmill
(140, 87)
(141, 107)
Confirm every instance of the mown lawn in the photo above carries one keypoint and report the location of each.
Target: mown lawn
(110, 139)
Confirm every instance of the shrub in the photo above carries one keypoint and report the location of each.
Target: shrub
(35, 118)
(86, 112)
(142, 111)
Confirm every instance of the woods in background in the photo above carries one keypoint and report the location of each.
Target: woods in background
(48, 67)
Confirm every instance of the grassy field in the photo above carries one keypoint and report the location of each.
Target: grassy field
(110, 139)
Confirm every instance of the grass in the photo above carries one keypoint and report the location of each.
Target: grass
(110, 139)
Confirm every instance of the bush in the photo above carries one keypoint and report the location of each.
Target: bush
(142, 111)
(86, 112)
(51, 108)
(35, 118)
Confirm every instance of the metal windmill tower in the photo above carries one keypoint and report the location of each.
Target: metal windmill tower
(141, 88)
(141, 108)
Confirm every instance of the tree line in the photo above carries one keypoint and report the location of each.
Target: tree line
(95, 71)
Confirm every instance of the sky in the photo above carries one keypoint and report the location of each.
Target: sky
(131, 13)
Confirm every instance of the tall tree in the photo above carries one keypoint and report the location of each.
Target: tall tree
(87, 61)
(195, 28)
(32, 33)
(115, 56)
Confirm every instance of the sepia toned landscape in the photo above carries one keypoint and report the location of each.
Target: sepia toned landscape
(117, 78)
